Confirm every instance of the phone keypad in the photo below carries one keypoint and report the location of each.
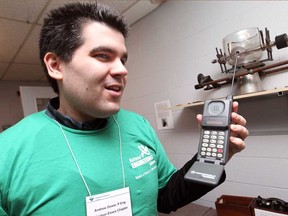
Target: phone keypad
(212, 144)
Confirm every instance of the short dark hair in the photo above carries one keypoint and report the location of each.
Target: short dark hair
(61, 32)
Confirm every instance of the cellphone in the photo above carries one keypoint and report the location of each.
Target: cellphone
(215, 131)
(213, 149)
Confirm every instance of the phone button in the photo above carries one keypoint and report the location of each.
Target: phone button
(212, 141)
(219, 155)
(220, 142)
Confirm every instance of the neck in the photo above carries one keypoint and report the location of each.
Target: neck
(54, 112)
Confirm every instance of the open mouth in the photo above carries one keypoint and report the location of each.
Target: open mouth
(114, 88)
(117, 88)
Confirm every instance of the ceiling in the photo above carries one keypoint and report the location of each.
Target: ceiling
(20, 23)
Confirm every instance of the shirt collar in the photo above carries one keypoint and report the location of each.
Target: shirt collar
(67, 121)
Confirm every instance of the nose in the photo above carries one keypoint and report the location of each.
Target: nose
(119, 69)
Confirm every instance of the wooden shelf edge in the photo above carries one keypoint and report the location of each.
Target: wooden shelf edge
(278, 91)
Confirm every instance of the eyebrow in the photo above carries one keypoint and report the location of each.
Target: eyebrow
(108, 50)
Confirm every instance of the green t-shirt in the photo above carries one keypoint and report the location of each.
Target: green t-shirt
(38, 175)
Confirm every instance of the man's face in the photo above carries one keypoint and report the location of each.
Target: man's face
(93, 81)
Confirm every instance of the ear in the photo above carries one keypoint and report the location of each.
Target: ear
(52, 62)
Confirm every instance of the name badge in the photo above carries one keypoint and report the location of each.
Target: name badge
(115, 203)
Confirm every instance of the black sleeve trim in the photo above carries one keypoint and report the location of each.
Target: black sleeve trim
(178, 192)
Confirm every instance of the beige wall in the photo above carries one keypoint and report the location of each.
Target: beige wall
(170, 47)
(10, 102)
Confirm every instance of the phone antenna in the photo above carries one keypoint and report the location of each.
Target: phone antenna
(234, 72)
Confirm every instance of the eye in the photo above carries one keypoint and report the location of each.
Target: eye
(124, 60)
(102, 57)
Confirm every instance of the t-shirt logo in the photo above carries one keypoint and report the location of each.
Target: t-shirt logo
(144, 162)
(143, 158)
(144, 150)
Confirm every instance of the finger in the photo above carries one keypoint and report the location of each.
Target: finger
(238, 119)
(235, 106)
(237, 145)
(199, 118)
(239, 131)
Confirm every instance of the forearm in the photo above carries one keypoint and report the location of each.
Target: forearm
(179, 192)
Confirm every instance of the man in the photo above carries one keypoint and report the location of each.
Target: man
(83, 154)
